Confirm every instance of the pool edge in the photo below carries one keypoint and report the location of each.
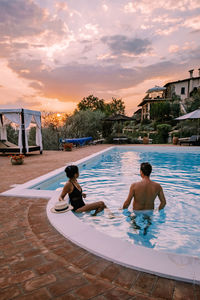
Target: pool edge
(168, 265)
(177, 259)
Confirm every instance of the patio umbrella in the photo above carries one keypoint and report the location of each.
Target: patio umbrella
(192, 115)
(156, 89)
(117, 118)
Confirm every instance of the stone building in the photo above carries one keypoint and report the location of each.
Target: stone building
(182, 88)
(154, 95)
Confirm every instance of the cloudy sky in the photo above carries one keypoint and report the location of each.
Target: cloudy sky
(53, 53)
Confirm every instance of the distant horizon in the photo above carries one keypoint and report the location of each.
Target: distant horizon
(55, 53)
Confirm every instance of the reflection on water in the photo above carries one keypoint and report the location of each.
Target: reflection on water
(176, 228)
(141, 222)
(142, 225)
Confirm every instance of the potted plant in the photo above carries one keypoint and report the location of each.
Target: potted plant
(68, 146)
(175, 139)
(17, 159)
(145, 140)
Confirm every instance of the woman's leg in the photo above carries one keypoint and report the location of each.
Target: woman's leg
(97, 206)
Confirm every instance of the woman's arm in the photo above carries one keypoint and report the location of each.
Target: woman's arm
(68, 188)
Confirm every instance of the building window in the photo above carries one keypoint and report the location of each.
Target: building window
(182, 91)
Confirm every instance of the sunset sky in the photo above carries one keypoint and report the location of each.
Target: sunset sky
(53, 53)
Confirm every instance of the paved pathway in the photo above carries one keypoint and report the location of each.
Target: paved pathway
(36, 262)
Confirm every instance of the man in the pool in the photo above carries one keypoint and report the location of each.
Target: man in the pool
(145, 191)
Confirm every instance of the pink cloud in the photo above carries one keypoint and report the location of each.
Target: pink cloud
(173, 48)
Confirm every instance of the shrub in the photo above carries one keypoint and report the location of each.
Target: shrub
(163, 132)
(145, 122)
(31, 136)
(50, 138)
(84, 123)
(12, 134)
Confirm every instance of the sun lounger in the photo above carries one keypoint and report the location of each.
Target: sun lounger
(99, 141)
(194, 140)
(8, 147)
(76, 142)
(120, 140)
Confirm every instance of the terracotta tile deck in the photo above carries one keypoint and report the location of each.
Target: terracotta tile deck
(36, 262)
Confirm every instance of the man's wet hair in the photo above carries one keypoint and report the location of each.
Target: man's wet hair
(71, 171)
(146, 168)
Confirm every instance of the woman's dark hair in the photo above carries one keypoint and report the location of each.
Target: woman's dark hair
(146, 168)
(71, 171)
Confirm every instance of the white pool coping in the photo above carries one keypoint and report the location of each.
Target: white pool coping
(168, 265)
(24, 190)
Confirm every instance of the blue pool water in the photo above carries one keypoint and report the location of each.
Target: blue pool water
(108, 178)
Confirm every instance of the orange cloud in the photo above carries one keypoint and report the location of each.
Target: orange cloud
(193, 23)
(173, 48)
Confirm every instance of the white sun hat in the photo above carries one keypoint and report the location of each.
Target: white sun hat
(61, 207)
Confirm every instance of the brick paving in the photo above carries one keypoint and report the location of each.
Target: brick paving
(36, 262)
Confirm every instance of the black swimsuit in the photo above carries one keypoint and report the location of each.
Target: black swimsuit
(76, 198)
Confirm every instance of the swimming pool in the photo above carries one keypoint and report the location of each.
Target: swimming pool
(85, 231)
(108, 177)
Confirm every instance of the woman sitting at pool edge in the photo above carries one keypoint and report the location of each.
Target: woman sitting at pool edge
(73, 189)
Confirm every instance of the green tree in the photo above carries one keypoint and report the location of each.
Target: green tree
(84, 123)
(50, 137)
(175, 109)
(175, 106)
(12, 134)
(116, 106)
(195, 101)
(92, 103)
(163, 132)
(31, 136)
(176, 98)
(53, 118)
(164, 110)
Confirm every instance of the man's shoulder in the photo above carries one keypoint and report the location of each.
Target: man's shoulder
(136, 183)
(156, 184)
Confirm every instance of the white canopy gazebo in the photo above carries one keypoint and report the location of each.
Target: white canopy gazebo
(23, 118)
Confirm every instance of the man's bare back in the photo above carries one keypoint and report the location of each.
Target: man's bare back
(145, 192)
